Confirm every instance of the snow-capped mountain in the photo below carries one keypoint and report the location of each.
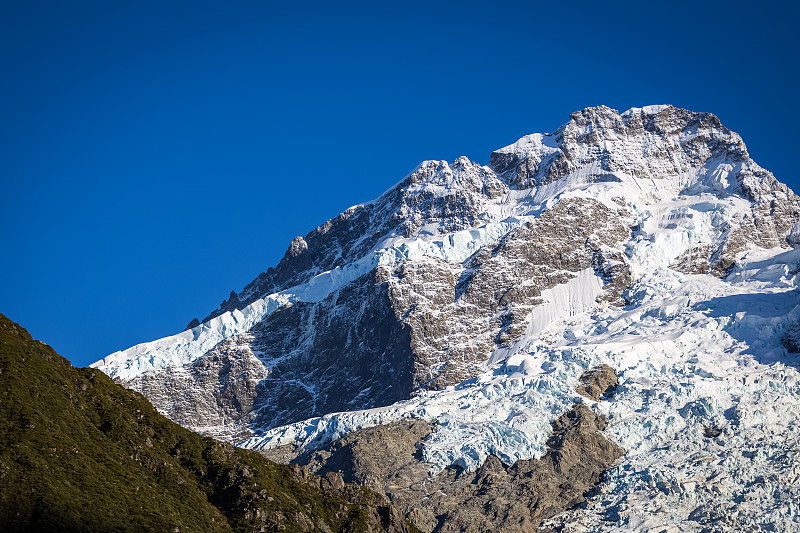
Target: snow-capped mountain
(475, 296)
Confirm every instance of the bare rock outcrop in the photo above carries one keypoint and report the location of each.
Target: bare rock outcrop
(597, 382)
(496, 497)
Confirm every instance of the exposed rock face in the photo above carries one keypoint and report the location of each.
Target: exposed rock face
(519, 497)
(394, 332)
(791, 339)
(496, 497)
(384, 457)
(673, 141)
(346, 352)
(421, 325)
(776, 209)
(458, 316)
(597, 382)
(375, 513)
(232, 372)
(449, 197)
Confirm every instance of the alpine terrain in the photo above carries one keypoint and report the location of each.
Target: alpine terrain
(598, 331)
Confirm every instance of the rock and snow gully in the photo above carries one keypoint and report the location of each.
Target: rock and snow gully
(473, 298)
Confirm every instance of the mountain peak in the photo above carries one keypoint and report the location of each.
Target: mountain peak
(474, 297)
(652, 143)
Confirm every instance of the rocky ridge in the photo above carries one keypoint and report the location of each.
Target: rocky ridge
(80, 453)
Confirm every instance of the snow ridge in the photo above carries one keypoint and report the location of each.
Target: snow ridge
(188, 345)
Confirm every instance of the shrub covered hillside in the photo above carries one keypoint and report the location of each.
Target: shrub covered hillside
(81, 453)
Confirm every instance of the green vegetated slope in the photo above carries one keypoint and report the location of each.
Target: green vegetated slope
(81, 453)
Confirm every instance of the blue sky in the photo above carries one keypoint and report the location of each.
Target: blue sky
(156, 155)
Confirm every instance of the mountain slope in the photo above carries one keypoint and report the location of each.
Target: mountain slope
(495, 497)
(80, 453)
(421, 286)
(474, 297)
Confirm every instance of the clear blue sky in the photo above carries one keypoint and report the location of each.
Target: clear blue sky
(156, 155)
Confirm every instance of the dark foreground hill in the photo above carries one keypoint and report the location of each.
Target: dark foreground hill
(81, 453)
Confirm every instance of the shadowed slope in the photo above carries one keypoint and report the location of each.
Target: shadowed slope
(80, 453)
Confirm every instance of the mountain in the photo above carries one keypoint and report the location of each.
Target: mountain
(80, 453)
(474, 298)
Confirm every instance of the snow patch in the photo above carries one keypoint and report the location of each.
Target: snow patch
(647, 110)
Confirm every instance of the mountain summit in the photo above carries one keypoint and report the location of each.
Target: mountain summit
(475, 297)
